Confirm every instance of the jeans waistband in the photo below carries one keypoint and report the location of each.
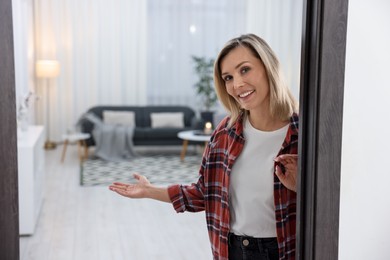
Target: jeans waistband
(247, 241)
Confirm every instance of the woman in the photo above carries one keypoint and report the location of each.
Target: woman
(248, 194)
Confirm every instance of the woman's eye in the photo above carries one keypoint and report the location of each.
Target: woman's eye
(245, 70)
(227, 78)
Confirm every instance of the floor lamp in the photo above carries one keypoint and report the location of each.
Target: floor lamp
(47, 69)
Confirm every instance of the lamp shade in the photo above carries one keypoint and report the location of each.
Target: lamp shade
(47, 68)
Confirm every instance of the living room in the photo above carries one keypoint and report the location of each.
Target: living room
(127, 53)
(86, 223)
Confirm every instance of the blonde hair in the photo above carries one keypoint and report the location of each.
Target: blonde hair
(282, 102)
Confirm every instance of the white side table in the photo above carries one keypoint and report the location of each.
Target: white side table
(81, 145)
(191, 136)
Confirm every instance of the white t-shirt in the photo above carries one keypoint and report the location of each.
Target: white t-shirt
(252, 208)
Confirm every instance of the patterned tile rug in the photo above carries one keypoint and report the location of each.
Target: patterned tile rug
(160, 169)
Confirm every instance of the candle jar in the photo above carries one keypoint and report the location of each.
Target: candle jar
(208, 128)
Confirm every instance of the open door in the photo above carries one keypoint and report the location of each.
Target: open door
(9, 216)
(321, 117)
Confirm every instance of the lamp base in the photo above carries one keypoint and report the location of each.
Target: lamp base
(49, 145)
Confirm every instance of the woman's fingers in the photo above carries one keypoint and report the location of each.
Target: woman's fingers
(141, 179)
(137, 176)
(115, 187)
(294, 156)
(288, 178)
(131, 190)
(119, 184)
(284, 157)
(279, 173)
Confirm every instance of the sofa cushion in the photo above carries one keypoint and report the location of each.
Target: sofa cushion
(126, 118)
(189, 114)
(139, 113)
(168, 119)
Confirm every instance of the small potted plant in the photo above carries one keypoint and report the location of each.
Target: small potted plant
(204, 87)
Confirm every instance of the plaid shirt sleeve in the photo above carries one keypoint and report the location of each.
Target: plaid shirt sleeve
(192, 197)
(187, 197)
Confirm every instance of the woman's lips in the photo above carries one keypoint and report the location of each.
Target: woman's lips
(245, 94)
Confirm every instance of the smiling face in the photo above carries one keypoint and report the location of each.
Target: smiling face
(246, 79)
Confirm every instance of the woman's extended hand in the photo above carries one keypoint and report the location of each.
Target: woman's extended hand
(135, 191)
(141, 189)
(289, 177)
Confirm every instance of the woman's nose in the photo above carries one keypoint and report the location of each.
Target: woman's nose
(238, 83)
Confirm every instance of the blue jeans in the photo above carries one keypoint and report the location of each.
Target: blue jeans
(250, 248)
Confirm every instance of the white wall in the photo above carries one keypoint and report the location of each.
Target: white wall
(365, 172)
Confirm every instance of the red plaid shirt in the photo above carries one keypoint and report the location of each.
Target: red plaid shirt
(211, 192)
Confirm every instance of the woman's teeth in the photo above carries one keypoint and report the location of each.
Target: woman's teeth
(246, 94)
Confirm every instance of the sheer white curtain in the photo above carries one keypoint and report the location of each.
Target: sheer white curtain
(279, 22)
(101, 47)
(179, 29)
(139, 52)
(23, 32)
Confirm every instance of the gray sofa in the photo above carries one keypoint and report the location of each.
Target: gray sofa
(144, 134)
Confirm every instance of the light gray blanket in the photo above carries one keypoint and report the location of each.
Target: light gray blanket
(113, 142)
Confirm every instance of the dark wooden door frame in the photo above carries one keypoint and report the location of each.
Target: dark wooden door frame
(321, 117)
(9, 215)
(321, 99)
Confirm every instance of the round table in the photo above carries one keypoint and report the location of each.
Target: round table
(194, 136)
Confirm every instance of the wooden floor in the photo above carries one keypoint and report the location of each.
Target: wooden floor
(94, 223)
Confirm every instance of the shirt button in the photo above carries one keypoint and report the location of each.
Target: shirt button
(245, 242)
